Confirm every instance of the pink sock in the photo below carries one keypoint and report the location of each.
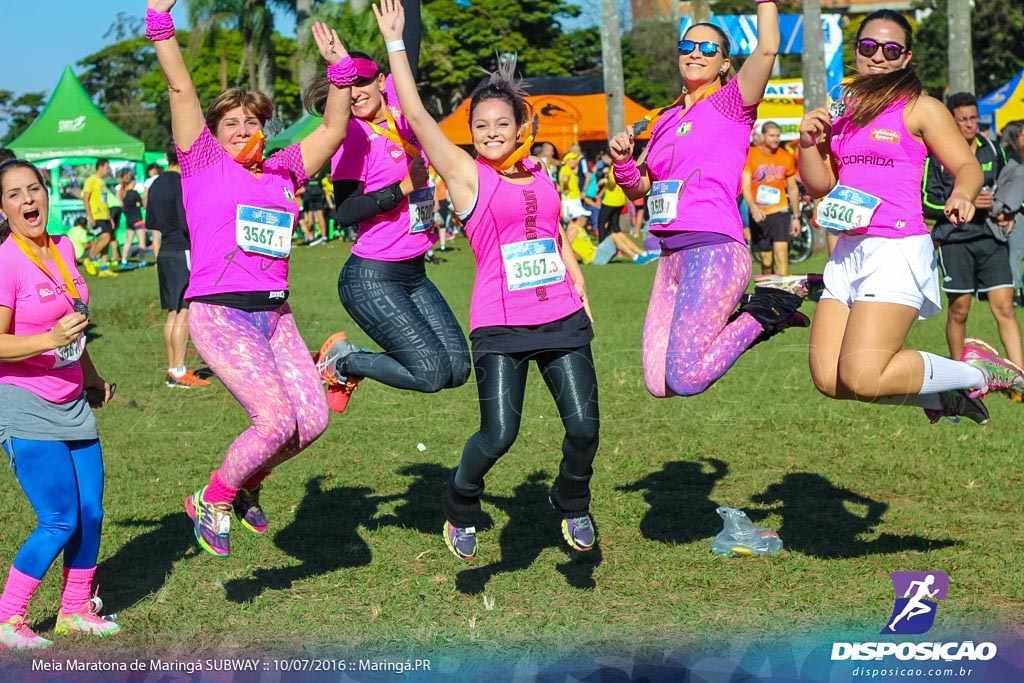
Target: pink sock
(17, 592)
(77, 589)
(255, 480)
(218, 491)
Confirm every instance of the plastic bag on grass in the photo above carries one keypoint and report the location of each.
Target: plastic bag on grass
(741, 538)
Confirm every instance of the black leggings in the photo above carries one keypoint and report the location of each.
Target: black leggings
(403, 312)
(501, 384)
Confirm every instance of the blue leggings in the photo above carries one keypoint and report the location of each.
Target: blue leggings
(63, 481)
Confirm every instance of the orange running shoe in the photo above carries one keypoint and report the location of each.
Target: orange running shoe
(339, 388)
(187, 381)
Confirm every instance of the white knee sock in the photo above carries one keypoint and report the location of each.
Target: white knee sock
(943, 374)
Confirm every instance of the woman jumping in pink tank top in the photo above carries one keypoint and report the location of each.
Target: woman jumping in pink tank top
(528, 302)
(865, 156)
(692, 171)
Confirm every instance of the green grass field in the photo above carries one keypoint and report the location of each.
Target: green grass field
(354, 560)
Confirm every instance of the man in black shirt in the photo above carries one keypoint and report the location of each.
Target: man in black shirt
(974, 260)
(165, 215)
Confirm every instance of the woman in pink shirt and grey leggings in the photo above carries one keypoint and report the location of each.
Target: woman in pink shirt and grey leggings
(693, 171)
(241, 212)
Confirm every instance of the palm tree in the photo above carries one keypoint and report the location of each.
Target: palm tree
(254, 20)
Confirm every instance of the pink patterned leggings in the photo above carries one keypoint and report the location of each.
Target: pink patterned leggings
(688, 341)
(263, 362)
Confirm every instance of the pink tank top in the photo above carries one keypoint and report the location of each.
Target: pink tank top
(883, 160)
(377, 162)
(521, 278)
(703, 150)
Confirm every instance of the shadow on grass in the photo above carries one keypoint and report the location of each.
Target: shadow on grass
(679, 496)
(141, 566)
(817, 521)
(421, 506)
(532, 526)
(324, 537)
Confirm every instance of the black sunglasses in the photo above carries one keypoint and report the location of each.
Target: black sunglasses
(891, 51)
(707, 48)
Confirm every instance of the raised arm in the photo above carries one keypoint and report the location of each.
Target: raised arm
(452, 163)
(319, 146)
(941, 136)
(757, 69)
(187, 119)
(815, 161)
(635, 181)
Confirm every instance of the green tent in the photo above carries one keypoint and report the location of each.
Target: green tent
(294, 133)
(72, 126)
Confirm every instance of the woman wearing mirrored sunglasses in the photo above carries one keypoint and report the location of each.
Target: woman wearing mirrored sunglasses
(693, 171)
(865, 156)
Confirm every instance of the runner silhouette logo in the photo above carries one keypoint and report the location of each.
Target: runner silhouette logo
(917, 596)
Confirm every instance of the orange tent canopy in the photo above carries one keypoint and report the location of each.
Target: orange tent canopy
(570, 110)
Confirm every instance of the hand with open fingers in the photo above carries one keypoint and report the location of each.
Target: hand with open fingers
(327, 41)
(68, 329)
(959, 209)
(418, 173)
(160, 5)
(814, 125)
(621, 146)
(390, 18)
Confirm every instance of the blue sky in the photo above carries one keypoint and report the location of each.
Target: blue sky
(40, 37)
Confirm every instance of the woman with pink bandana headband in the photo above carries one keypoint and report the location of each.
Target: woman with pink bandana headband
(241, 212)
(381, 184)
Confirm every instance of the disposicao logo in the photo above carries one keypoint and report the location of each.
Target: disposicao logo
(917, 598)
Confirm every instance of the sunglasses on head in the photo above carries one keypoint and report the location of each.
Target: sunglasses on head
(891, 51)
(707, 48)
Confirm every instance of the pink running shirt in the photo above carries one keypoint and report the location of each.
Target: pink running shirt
(514, 216)
(38, 303)
(213, 185)
(886, 161)
(377, 162)
(705, 148)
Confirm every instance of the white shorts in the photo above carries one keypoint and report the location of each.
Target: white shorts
(886, 270)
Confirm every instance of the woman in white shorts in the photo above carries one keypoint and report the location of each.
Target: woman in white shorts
(865, 156)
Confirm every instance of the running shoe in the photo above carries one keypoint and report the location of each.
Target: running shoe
(17, 635)
(339, 387)
(460, 540)
(958, 403)
(248, 510)
(87, 621)
(646, 257)
(187, 381)
(801, 285)
(90, 266)
(211, 523)
(317, 242)
(106, 272)
(578, 532)
(125, 265)
(1000, 374)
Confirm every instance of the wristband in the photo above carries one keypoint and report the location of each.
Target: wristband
(342, 74)
(626, 173)
(395, 45)
(159, 25)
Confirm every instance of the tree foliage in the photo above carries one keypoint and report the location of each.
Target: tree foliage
(997, 32)
(18, 112)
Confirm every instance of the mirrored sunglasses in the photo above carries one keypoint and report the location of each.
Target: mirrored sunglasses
(707, 48)
(891, 51)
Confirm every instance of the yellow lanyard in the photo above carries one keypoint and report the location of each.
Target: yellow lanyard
(522, 151)
(393, 135)
(652, 116)
(68, 282)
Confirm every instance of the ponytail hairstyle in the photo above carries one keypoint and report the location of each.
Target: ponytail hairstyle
(502, 85)
(872, 93)
(5, 167)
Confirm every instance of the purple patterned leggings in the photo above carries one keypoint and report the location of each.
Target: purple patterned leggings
(263, 362)
(688, 340)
